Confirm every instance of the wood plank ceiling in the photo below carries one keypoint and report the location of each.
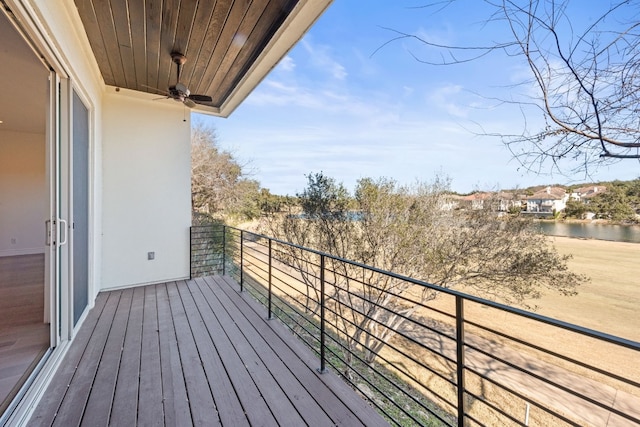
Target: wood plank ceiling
(132, 41)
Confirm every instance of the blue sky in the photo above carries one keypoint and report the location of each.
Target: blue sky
(345, 103)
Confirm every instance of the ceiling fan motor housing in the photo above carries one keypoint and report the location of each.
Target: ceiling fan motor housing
(179, 92)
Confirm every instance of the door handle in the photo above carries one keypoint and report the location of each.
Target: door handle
(63, 226)
(47, 232)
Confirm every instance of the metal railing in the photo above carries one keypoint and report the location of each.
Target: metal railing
(453, 359)
(207, 250)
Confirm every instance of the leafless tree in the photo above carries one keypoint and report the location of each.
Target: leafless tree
(586, 80)
(413, 231)
(219, 182)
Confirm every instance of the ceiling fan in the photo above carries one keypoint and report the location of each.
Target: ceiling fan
(180, 92)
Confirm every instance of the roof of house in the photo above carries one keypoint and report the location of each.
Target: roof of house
(478, 196)
(549, 193)
(590, 191)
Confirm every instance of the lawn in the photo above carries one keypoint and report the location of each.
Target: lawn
(609, 302)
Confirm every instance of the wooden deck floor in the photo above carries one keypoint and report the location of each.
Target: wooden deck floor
(193, 353)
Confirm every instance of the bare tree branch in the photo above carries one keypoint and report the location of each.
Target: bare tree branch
(587, 81)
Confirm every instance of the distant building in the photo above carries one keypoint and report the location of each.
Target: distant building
(547, 201)
(586, 193)
(475, 201)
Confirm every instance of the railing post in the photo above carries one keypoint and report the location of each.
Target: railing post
(224, 250)
(241, 259)
(460, 358)
(322, 319)
(190, 252)
(270, 279)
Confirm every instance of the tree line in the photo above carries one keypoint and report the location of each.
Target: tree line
(620, 203)
(398, 228)
(222, 189)
(403, 229)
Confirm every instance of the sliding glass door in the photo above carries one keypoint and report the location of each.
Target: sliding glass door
(80, 225)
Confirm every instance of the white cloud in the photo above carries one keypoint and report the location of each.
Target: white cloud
(407, 91)
(287, 64)
(446, 98)
(320, 57)
(319, 99)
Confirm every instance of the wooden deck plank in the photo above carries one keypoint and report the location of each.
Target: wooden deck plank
(203, 408)
(150, 411)
(101, 397)
(297, 357)
(255, 387)
(225, 392)
(305, 373)
(125, 400)
(274, 379)
(174, 391)
(48, 406)
(72, 407)
(193, 353)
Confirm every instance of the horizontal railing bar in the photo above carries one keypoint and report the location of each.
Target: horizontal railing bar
(301, 294)
(381, 374)
(287, 274)
(362, 376)
(294, 278)
(399, 333)
(554, 384)
(204, 257)
(291, 317)
(544, 319)
(337, 342)
(411, 320)
(521, 396)
(390, 345)
(557, 355)
(402, 297)
(298, 261)
(494, 407)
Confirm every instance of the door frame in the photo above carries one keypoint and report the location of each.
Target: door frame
(58, 296)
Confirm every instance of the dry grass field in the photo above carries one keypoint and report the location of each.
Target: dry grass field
(610, 302)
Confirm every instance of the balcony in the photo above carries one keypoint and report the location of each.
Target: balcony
(194, 352)
(455, 360)
(266, 337)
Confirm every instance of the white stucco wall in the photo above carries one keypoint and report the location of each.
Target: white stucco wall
(23, 197)
(146, 190)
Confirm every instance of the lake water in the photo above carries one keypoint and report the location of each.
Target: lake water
(618, 233)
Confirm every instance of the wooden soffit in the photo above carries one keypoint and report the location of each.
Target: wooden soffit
(230, 45)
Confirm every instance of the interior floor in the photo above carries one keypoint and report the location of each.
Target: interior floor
(24, 337)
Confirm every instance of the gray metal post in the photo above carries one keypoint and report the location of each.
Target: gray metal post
(270, 279)
(322, 319)
(460, 358)
(224, 250)
(241, 260)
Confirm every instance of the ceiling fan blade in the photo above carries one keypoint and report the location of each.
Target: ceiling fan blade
(189, 103)
(155, 90)
(200, 98)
